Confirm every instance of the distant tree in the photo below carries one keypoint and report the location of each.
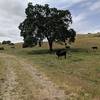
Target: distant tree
(6, 42)
(3, 42)
(45, 22)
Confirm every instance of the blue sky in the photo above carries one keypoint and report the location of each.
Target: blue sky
(85, 14)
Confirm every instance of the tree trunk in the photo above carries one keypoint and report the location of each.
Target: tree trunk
(65, 41)
(39, 44)
(50, 45)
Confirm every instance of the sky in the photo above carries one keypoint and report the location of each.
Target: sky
(85, 15)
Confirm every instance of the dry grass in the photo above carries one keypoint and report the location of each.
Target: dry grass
(78, 75)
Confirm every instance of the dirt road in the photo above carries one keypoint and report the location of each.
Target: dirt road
(22, 81)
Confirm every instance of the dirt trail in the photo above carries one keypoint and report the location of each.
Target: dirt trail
(47, 90)
(9, 84)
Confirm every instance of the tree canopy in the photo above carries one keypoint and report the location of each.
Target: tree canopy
(45, 22)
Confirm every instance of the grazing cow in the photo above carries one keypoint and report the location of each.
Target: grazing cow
(94, 48)
(1, 48)
(60, 53)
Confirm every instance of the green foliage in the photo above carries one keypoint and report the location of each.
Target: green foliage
(28, 40)
(45, 22)
(6, 42)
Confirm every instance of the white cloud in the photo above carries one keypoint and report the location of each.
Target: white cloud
(82, 24)
(79, 22)
(12, 12)
(57, 3)
(80, 17)
(14, 7)
(95, 6)
(86, 4)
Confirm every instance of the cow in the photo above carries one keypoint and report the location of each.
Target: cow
(60, 53)
(94, 48)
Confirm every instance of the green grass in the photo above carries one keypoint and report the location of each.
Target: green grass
(78, 74)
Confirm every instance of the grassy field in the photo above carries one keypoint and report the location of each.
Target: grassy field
(78, 75)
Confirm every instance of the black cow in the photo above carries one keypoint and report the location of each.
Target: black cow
(60, 53)
(94, 48)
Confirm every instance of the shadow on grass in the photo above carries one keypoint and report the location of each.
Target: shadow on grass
(43, 51)
(47, 51)
(79, 50)
(40, 51)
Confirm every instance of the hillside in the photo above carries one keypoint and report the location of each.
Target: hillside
(35, 74)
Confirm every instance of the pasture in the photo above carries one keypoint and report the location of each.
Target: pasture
(78, 75)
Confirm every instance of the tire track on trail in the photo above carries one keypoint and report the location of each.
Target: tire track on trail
(47, 90)
(8, 86)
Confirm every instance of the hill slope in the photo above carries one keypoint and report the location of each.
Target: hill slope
(22, 80)
(76, 78)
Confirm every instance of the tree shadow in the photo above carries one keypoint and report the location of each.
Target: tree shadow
(47, 51)
(39, 52)
(79, 49)
(44, 51)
